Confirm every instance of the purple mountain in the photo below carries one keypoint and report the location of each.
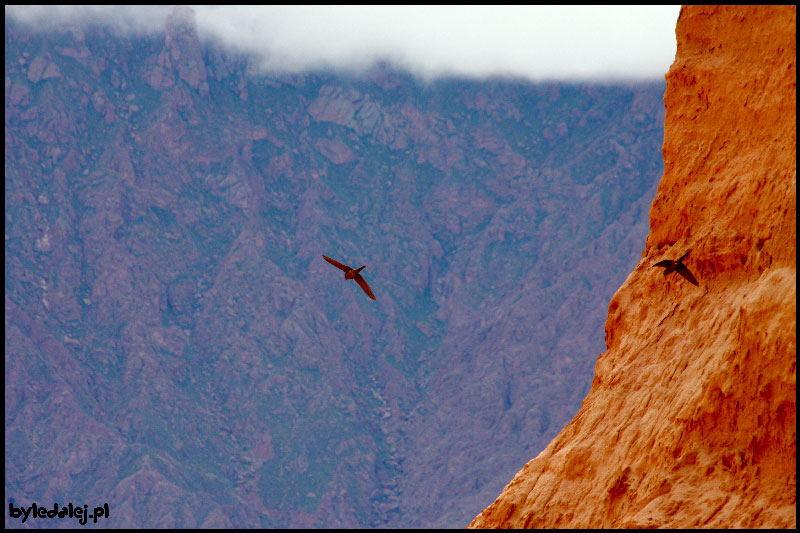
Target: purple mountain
(177, 347)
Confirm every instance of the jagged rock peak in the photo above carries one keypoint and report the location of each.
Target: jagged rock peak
(184, 50)
(182, 17)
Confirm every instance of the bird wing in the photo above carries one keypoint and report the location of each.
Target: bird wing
(337, 264)
(663, 263)
(363, 284)
(683, 271)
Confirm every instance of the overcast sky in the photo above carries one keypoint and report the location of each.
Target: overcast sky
(538, 43)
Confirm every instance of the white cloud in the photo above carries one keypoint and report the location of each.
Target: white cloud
(535, 42)
(126, 18)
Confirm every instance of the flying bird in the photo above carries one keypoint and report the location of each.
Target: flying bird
(350, 273)
(677, 266)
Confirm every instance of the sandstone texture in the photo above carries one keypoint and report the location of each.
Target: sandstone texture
(691, 418)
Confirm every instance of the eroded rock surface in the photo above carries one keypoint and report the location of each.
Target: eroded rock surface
(691, 418)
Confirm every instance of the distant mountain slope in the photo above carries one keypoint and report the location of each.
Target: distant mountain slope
(175, 343)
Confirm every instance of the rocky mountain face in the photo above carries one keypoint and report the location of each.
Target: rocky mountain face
(177, 347)
(691, 417)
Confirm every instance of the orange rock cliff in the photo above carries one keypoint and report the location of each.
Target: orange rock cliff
(691, 418)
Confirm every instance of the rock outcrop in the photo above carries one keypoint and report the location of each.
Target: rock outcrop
(691, 418)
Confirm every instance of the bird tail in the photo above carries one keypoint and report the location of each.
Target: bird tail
(361, 268)
(684, 256)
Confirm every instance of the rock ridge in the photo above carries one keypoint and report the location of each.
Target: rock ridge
(691, 418)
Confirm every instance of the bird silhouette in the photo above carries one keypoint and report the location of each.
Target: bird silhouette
(677, 266)
(350, 273)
